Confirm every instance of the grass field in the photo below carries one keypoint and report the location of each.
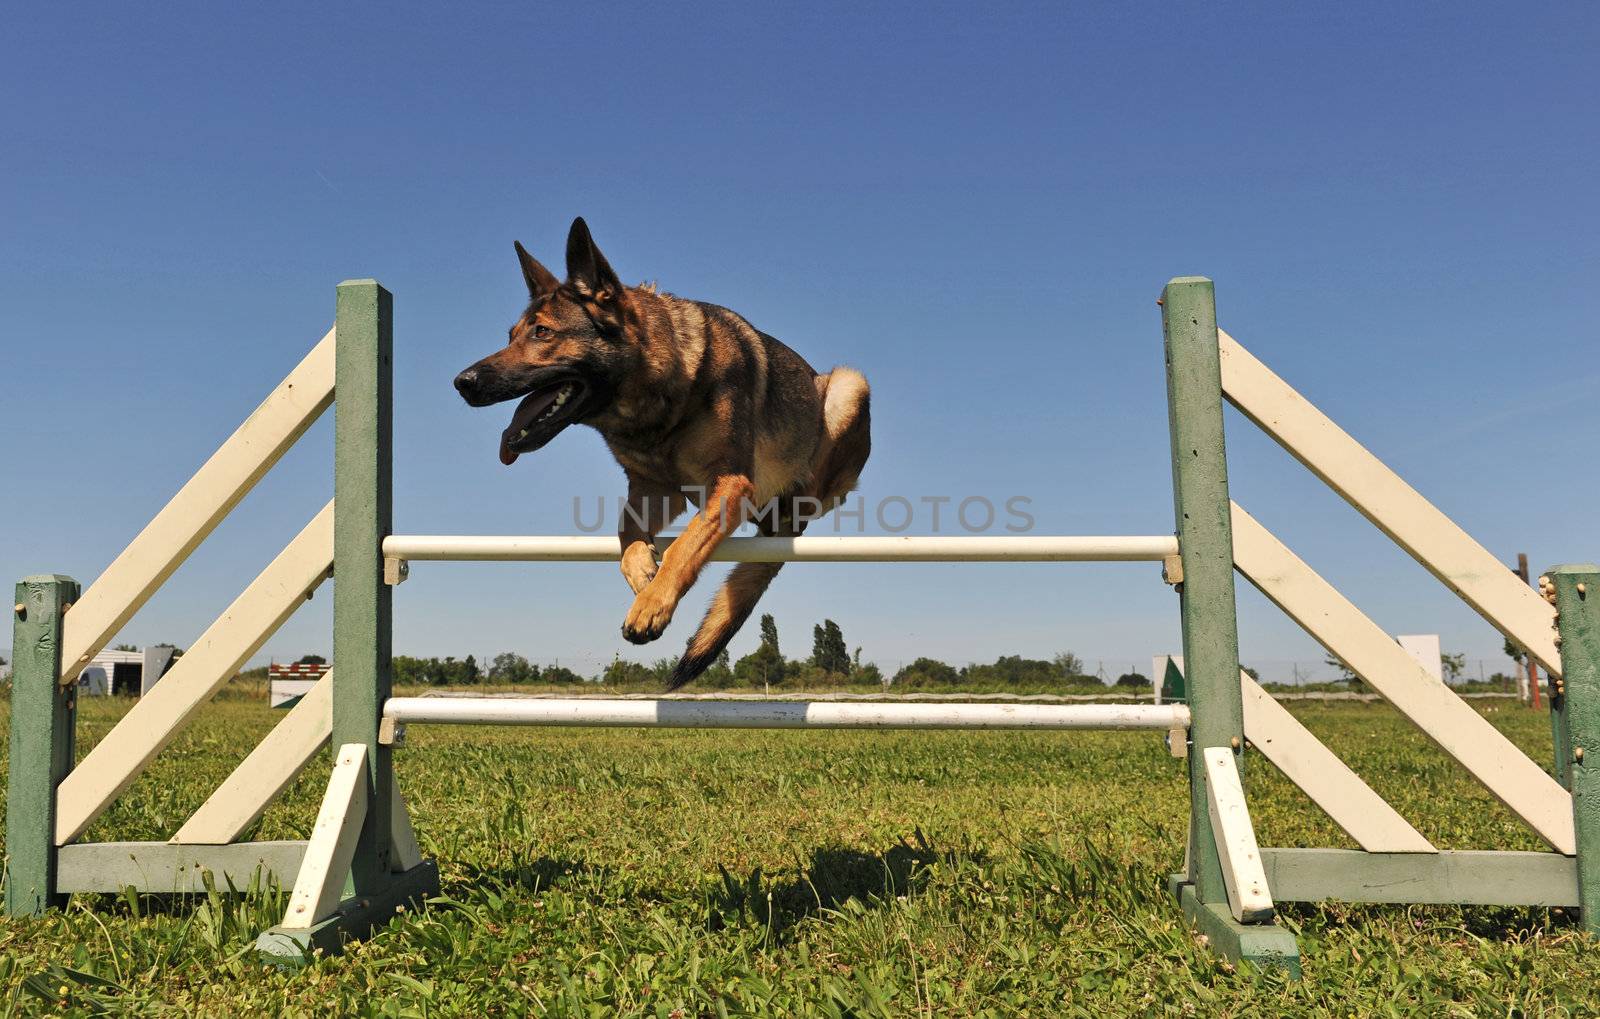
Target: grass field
(663, 873)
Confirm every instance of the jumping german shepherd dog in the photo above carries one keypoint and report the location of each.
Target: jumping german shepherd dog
(697, 406)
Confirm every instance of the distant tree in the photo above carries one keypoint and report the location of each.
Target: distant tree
(720, 673)
(867, 675)
(408, 671)
(762, 667)
(1514, 651)
(622, 672)
(559, 675)
(1503, 681)
(312, 660)
(1068, 664)
(126, 647)
(1346, 673)
(828, 651)
(1452, 666)
(449, 672)
(927, 672)
(510, 667)
(1133, 680)
(769, 632)
(661, 670)
(1252, 673)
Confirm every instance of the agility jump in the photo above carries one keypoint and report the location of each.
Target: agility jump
(362, 862)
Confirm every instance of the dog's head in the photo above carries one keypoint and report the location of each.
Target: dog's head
(567, 354)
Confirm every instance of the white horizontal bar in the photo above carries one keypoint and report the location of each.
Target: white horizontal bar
(867, 549)
(675, 714)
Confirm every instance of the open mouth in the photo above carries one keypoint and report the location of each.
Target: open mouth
(540, 416)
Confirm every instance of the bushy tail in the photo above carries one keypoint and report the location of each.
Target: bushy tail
(730, 607)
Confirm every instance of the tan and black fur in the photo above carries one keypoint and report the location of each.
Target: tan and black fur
(691, 399)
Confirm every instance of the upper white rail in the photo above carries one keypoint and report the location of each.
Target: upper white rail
(675, 714)
(853, 549)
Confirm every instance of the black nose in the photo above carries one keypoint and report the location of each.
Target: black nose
(467, 383)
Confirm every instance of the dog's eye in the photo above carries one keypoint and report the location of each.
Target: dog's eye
(541, 331)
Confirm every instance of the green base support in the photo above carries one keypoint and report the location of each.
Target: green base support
(1262, 945)
(354, 920)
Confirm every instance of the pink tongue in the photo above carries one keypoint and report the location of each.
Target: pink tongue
(530, 408)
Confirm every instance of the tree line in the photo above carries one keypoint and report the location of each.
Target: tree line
(830, 663)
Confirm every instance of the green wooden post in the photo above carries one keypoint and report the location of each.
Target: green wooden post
(362, 624)
(362, 469)
(1577, 590)
(41, 741)
(1206, 603)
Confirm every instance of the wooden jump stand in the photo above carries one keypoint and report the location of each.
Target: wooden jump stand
(362, 863)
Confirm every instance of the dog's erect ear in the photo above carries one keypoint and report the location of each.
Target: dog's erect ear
(588, 272)
(541, 281)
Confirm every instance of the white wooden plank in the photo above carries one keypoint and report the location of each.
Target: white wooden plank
(1411, 521)
(266, 772)
(197, 508)
(405, 853)
(730, 714)
(238, 633)
(1308, 763)
(1242, 873)
(876, 548)
(326, 863)
(1459, 731)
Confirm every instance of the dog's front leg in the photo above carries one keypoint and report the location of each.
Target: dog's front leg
(649, 508)
(725, 508)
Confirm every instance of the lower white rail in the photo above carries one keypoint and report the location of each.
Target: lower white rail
(676, 714)
(825, 549)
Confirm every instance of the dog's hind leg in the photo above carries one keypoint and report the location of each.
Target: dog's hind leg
(841, 455)
(730, 607)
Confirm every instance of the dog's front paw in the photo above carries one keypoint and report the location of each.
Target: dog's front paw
(638, 565)
(649, 616)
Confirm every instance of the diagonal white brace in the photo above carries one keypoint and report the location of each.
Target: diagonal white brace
(266, 772)
(1321, 775)
(197, 508)
(1243, 875)
(326, 864)
(158, 717)
(1324, 613)
(1383, 497)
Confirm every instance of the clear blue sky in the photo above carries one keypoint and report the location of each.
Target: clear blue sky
(977, 209)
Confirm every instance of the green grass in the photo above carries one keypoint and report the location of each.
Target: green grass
(659, 873)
